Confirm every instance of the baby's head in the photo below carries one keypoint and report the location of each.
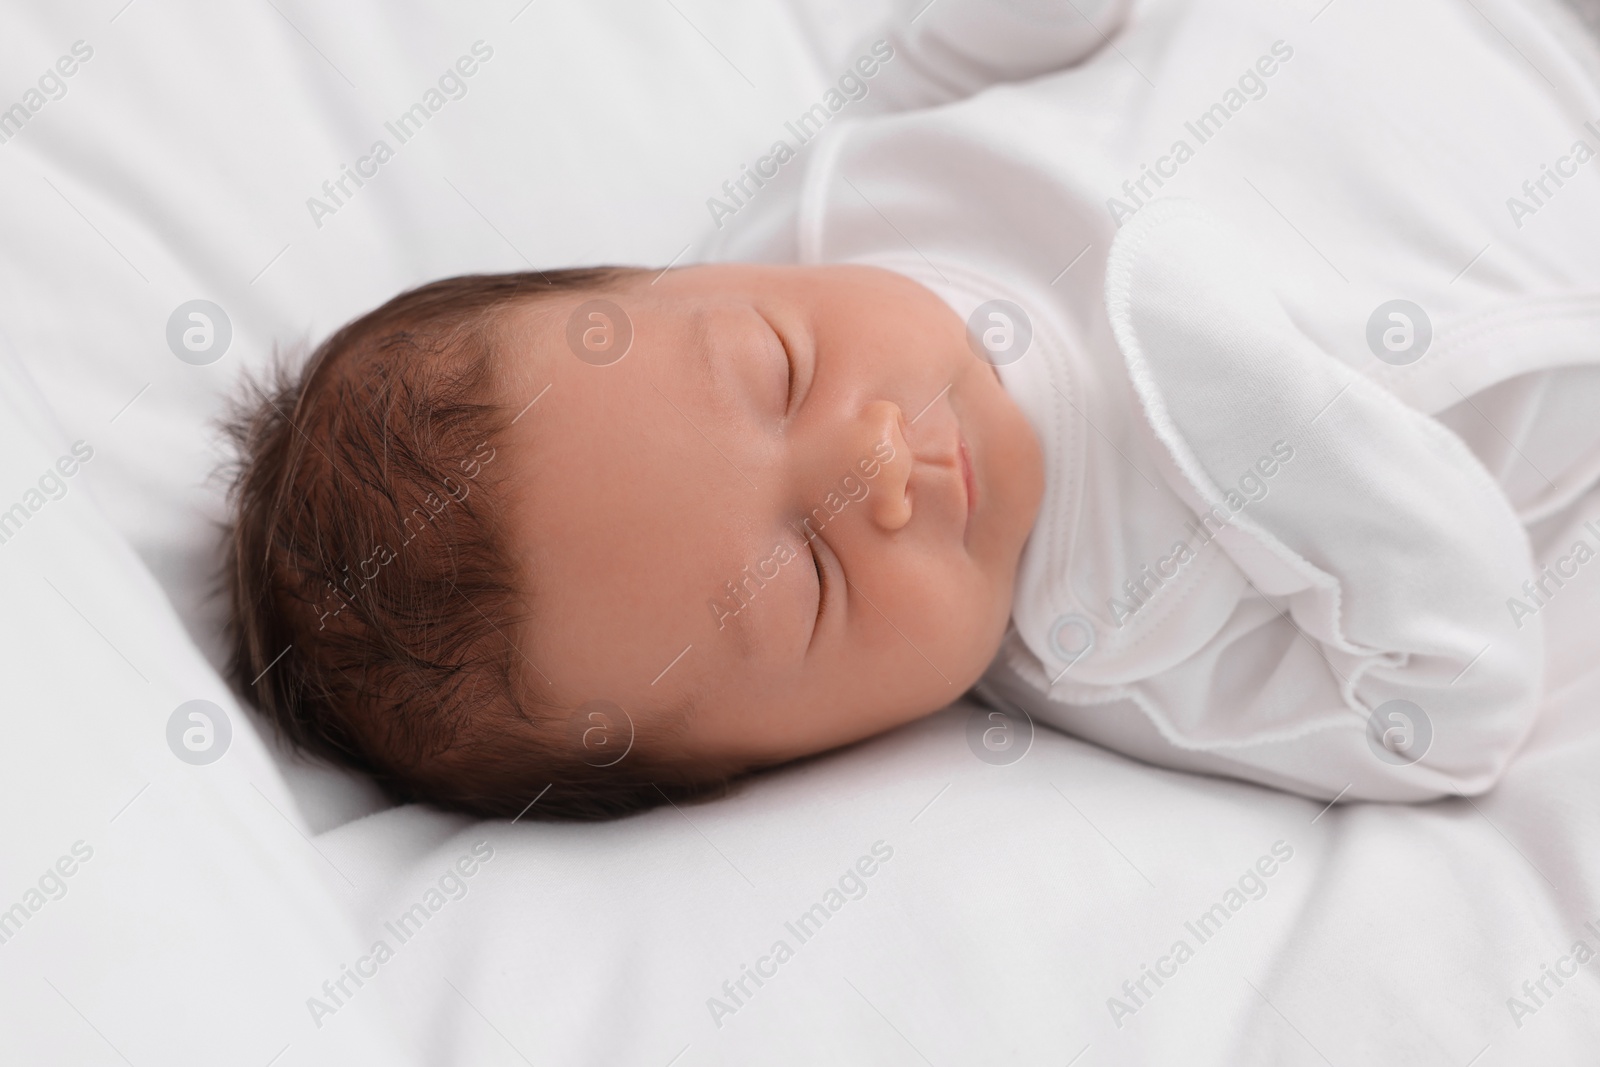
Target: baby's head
(604, 537)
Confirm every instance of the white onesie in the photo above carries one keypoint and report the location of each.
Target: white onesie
(1272, 283)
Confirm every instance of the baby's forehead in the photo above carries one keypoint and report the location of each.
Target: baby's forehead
(630, 526)
(603, 341)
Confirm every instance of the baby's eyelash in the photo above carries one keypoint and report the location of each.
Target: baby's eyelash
(788, 358)
(822, 578)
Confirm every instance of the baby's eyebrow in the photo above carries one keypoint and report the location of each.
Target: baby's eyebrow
(737, 626)
(710, 351)
(700, 345)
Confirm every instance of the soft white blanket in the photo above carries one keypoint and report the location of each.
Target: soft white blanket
(1022, 903)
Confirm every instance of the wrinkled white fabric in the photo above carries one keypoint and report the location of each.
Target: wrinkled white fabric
(1246, 187)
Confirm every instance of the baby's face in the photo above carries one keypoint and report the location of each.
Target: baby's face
(795, 505)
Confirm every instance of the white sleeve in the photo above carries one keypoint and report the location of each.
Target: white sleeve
(946, 50)
(1393, 549)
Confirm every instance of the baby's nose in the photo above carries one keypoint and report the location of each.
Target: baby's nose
(884, 463)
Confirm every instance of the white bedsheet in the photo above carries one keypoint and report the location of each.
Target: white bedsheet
(1017, 900)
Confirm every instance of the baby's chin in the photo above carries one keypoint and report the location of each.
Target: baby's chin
(997, 631)
(979, 642)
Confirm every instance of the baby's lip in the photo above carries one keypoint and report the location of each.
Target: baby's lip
(969, 481)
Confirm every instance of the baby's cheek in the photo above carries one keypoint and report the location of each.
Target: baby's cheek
(953, 613)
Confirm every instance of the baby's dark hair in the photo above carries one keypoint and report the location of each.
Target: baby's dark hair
(375, 604)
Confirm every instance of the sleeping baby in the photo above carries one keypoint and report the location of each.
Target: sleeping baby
(1187, 377)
